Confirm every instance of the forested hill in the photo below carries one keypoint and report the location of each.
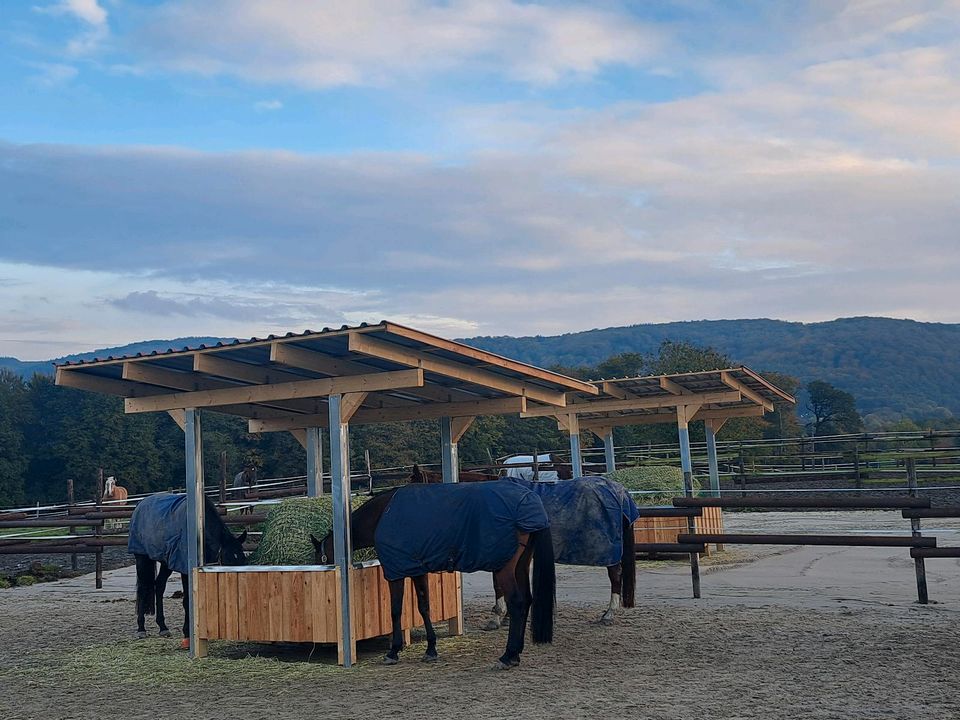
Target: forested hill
(898, 365)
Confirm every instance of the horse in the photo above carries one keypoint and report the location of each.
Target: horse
(591, 520)
(419, 475)
(495, 526)
(158, 533)
(112, 491)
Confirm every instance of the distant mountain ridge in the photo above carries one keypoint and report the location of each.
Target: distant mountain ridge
(892, 367)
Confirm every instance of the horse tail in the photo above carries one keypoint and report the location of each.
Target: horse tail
(628, 567)
(146, 585)
(544, 587)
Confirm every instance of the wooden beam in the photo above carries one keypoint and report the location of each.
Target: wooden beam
(190, 382)
(300, 435)
(563, 424)
(282, 391)
(671, 387)
(209, 363)
(426, 411)
(405, 356)
(614, 390)
(459, 426)
(341, 367)
(715, 424)
(658, 401)
(656, 418)
(107, 386)
(179, 417)
(491, 359)
(349, 405)
(685, 414)
(731, 382)
(726, 413)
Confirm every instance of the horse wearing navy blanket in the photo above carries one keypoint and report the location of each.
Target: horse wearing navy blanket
(158, 533)
(591, 522)
(489, 526)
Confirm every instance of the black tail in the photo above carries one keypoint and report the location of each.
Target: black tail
(628, 567)
(544, 587)
(146, 585)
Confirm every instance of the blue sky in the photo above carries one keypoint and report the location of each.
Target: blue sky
(215, 167)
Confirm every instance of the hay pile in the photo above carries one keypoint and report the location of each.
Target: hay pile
(666, 482)
(287, 530)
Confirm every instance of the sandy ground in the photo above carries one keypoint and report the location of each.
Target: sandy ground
(779, 633)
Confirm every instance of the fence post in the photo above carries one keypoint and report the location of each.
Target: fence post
(743, 475)
(856, 463)
(536, 465)
(918, 563)
(98, 531)
(72, 529)
(223, 476)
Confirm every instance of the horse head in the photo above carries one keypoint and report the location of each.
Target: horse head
(322, 549)
(231, 548)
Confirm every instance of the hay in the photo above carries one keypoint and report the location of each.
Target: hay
(661, 483)
(287, 530)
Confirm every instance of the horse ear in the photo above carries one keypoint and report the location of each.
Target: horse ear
(416, 476)
(317, 545)
(242, 538)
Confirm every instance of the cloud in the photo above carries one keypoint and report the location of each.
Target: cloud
(374, 42)
(268, 105)
(53, 74)
(91, 15)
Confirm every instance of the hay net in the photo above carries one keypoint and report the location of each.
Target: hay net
(659, 483)
(287, 530)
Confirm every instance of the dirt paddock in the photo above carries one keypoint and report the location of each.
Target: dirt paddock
(779, 633)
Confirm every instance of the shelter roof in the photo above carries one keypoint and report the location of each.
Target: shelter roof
(711, 394)
(391, 372)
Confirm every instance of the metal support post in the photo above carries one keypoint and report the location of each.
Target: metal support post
(712, 459)
(340, 495)
(193, 454)
(609, 453)
(575, 458)
(448, 452)
(686, 464)
(314, 463)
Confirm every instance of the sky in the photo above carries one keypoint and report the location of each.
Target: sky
(471, 167)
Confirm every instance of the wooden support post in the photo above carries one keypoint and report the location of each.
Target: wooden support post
(97, 531)
(71, 500)
(223, 477)
(918, 562)
(455, 624)
(684, 412)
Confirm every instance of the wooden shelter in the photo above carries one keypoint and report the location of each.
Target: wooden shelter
(304, 382)
(713, 396)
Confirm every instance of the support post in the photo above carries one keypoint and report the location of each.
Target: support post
(71, 500)
(919, 565)
(97, 531)
(573, 427)
(449, 455)
(223, 477)
(712, 458)
(193, 454)
(342, 542)
(686, 464)
(314, 462)
(609, 453)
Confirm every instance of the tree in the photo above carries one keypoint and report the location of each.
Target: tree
(834, 411)
(14, 411)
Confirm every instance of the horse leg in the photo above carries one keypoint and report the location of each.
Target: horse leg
(146, 574)
(161, 587)
(186, 606)
(522, 574)
(506, 578)
(396, 611)
(423, 605)
(499, 612)
(615, 573)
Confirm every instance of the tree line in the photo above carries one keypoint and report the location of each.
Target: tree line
(49, 434)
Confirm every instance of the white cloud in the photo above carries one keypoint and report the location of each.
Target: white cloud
(53, 74)
(91, 15)
(268, 105)
(363, 42)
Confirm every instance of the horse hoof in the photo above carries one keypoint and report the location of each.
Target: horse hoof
(606, 620)
(185, 644)
(164, 633)
(387, 660)
(428, 658)
(500, 665)
(492, 624)
(141, 634)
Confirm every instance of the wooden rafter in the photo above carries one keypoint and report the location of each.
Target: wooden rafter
(643, 403)
(282, 391)
(731, 382)
(675, 388)
(364, 416)
(614, 390)
(405, 356)
(667, 416)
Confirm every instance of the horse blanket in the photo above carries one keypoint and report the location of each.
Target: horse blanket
(158, 529)
(468, 527)
(586, 518)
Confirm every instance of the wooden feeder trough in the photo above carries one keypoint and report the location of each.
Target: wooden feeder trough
(302, 603)
(666, 529)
